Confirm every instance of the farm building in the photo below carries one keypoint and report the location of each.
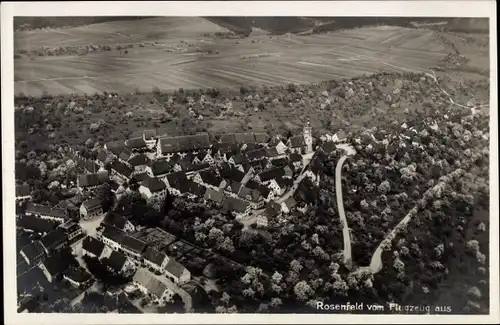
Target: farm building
(54, 240)
(155, 259)
(92, 247)
(171, 145)
(153, 286)
(58, 263)
(118, 221)
(36, 225)
(177, 272)
(91, 208)
(153, 187)
(77, 276)
(213, 195)
(45, 212)
(33, 252)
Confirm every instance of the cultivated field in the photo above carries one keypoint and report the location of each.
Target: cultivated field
(256, 60)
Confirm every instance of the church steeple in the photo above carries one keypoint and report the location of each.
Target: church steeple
(308, 136)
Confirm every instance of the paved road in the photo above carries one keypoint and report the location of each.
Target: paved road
(340, 205)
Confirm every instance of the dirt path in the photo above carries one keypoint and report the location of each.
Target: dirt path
(340, 204)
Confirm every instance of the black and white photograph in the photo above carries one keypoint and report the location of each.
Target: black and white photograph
(272, 164)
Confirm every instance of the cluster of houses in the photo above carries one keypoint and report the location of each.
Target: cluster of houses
(52, 252)
(236, 173)
(153, 272)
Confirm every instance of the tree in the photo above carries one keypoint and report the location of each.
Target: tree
(295, 266)
(217, 235)
(227, 245)
(303, 291)
(275, 302)
(384, 187)
(277, 277)
(225, 298)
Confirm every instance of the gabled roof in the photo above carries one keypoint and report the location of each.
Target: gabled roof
(123, 239)
(115, 147)
(139, 160)
(177, 178)
(202, 154)
(122, 168)
(249, 194)
(115, 260)
(239, 158)
(256, 154)
(175, 268)
(195, 167)
(244, 138)
(209, 177)
(328, 147)
(296, 141)
(39, 209)
(223, 148)
(272, 152)
(93, 245)
(261, 137)
(135, 143)
(154, 256)
(196, 189)
(213, 195)
(263, 190)
(274, 141)
(92, 203)
(250, 146)
(232, 173)
(33, 250)
(115, 219)
(271, 174)
(160, 167)
(37, 224)
(341, 135)
(139, 178)
(185, 143)
(233, 204)
(227, 138)
(125, 154)
(233, 186)
(60, 261)
(77, 274)
(149, 134)
(149, 281)
(153, 184)
(23, 190)
(54, 238)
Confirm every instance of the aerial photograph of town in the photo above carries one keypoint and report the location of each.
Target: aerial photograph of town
(169, 164)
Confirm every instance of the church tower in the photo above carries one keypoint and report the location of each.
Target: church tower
(308, 140)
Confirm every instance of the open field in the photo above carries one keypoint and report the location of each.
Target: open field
(112, 32)
(264, 60)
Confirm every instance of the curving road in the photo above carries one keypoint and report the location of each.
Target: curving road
(340, 205)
